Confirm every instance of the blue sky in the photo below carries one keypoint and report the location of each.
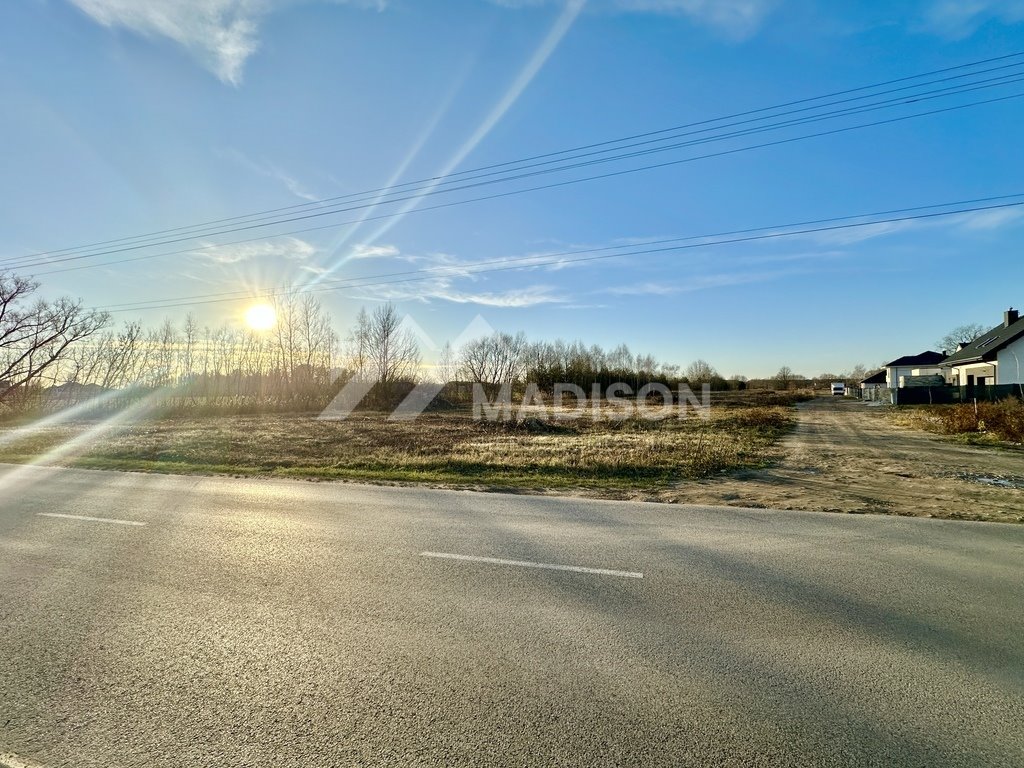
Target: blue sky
(124, 117)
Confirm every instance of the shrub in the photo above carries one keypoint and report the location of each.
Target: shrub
(1004, 419)
(958, 419)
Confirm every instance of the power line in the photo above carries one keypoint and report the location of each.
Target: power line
(482, 267)
(662, 241)
(926, 96)
(455, 176)
(553, 185)
(351, 197)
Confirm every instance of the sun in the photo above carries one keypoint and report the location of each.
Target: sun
(260, 317)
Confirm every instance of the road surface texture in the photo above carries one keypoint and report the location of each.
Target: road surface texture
(846, 456)
(276, 623)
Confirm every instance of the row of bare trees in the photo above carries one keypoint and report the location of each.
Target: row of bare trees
(60, 351)
(54, 352)
(294, 360)
(503, 358)
(299, 363)
(785, 378)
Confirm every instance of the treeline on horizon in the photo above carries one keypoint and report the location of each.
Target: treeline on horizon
(56, 354)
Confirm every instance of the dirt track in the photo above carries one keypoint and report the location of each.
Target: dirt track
(844, 456)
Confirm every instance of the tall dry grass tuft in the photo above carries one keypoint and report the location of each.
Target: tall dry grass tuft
(1004, 419)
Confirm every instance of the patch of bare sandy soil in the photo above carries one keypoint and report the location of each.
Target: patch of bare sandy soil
(845, 456)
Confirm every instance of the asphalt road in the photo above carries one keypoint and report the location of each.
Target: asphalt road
(275, 623)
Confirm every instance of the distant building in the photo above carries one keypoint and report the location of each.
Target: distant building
(870, 386)
(71, 393)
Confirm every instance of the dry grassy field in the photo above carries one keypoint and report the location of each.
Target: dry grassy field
(607, 457)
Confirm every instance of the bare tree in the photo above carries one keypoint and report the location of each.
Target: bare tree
(162, 348)
(620, 358)
(36, 335)
(109, 360)
(318, 339)
(671, 370)
(357, 345)
(287, 335)
(960, 336)
(303, 345)
(784, 376)
(188, 352)
(646, 365)
(700, 372)
(393, 352)
(497, 359)
(125, 362)
(447, 368)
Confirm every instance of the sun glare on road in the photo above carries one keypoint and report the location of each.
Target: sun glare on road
(260, 317)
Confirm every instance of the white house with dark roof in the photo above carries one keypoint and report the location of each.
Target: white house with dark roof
(924, 364)
(995, 357)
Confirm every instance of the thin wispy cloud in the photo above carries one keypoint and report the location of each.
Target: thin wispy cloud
(296, 189)
(827, 246)
(367, 251)
(450, 265)
(964, 223)
(700, 283)
(270, 171)
(649, 288)
(737, 19)
(989, 220)
(443, 288)
(853, 235)
(515, 298)
(290, 248)
(957, 19)
(220, 34)
(447, 264)
(782, 258)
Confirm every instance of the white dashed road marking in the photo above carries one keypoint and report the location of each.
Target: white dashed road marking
(90, 519)
(529, 564)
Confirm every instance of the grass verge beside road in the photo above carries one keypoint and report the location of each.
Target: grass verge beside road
(607, 458)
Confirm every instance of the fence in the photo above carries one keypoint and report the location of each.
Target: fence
(951, 394)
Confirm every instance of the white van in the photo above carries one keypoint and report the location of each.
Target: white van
(838, 388)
